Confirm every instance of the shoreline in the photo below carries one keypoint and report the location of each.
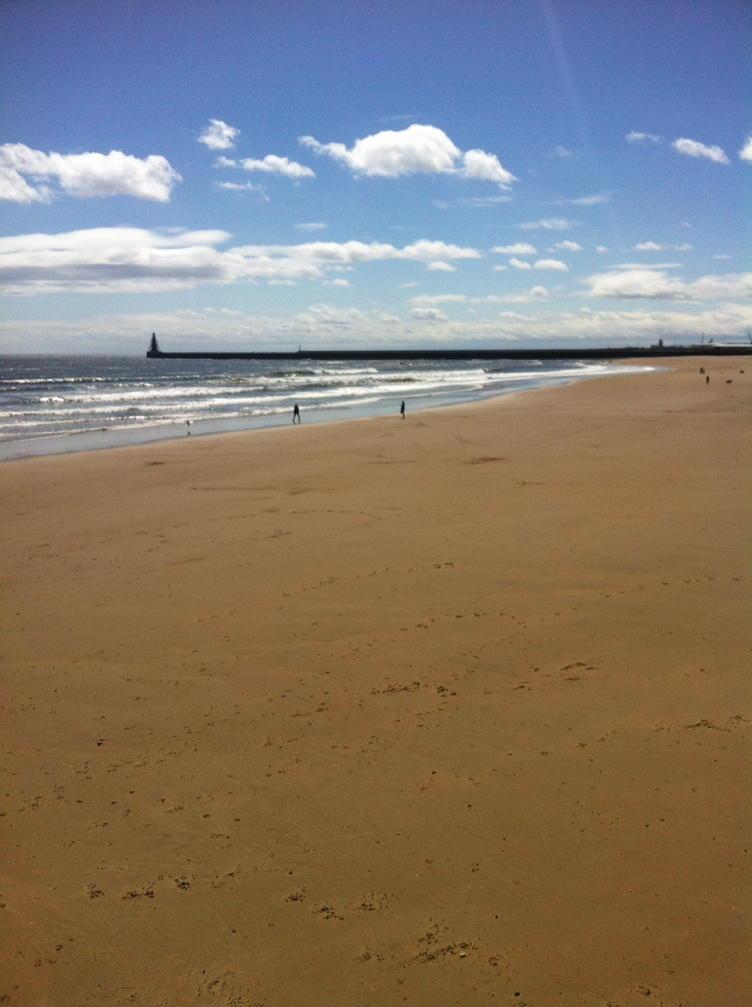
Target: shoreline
(448, 711)
(106, 439)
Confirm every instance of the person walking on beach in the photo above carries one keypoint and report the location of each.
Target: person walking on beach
(402, 409)
(296, 413)
(707, 379)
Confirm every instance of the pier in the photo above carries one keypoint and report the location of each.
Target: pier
(530, 353)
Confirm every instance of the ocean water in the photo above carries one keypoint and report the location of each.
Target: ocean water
(54, 404)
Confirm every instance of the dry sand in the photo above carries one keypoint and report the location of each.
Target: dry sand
(449, 711)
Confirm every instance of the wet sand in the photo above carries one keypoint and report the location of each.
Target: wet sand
(449, 711)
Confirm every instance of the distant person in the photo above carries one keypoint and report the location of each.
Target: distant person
(402, 409)
(707, 379)
(188, 428)
(296, 413)
(702, 370)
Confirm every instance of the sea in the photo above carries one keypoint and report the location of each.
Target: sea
(60, 404)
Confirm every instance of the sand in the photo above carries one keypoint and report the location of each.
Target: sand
(449, 711)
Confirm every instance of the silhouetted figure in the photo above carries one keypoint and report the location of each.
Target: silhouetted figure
(188, 428)
(296, 413)
(702, 370)
(707, 379)
(402, 409)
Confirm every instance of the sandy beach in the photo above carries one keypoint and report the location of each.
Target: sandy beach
(449, 711)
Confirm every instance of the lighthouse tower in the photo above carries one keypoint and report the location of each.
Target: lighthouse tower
(153, 350)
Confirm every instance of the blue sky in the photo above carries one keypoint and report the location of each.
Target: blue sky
(320, 173)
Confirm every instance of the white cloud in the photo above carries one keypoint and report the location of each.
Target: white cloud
(486, 168)
(415, 149)
(553, 264)
(112, 259)
(745, 153)
(547, 224)
(518, 248)
(595, 199)
(481, 202)
(519, 264)
(440, 267)
(244, 187)
(722, 255)
(655, 284)
(499, 269)
(526, 297)
(339, 282)
(428, 315)
(693, 148)
(428, 300)
(218, 135)
(134, 259)
(328, 325)
(15, 189)
(312, 225)
(89, 175)
(568, 246)
(562, 152)
(636, 137)
(601, 249)
(273, 164)
(652, 246)
(646, 265)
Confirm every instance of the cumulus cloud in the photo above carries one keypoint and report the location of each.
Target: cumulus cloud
(652, 246)
(24, 174)
(112, 259)
(693, 148)
(601, 249)
(428, 314)
(636, 137)
(486, 167)
(519, 264)
(134, 259)
(218, 135)
(518, 248)
(655, 284)
(553, 264)
(273, 164)
(525, 297)
(440, 267)
(415, 149)
(328, 325)
(547, 224)
(745, 153)
(568, 246)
